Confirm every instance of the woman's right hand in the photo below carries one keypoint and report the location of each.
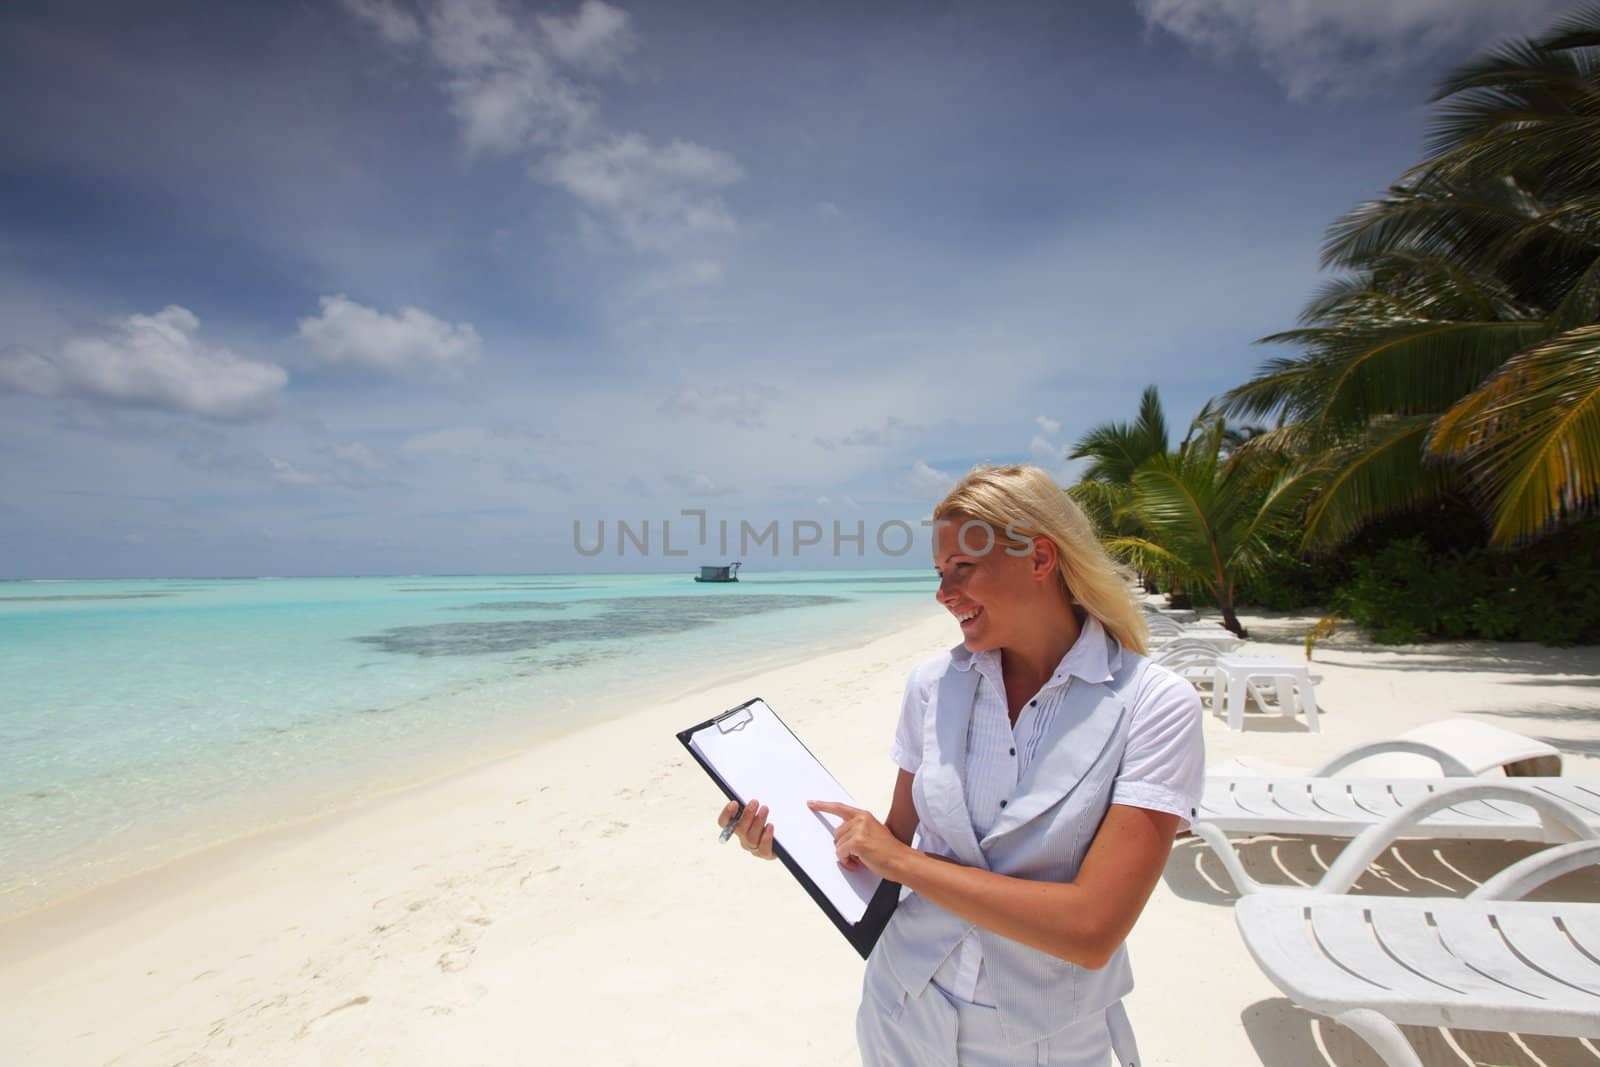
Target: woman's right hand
(752, 830)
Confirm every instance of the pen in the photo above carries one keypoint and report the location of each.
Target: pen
(727, 831)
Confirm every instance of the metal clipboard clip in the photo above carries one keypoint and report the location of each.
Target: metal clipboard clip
(730, 722)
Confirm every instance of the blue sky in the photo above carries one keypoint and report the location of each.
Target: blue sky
(371, 286)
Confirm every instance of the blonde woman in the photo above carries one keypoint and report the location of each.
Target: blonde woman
(1045, 767)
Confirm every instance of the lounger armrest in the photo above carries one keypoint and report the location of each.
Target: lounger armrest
(1223, 848)
(1528, 874)
(1383, 1035)
(1562, 822)
(1449, 766)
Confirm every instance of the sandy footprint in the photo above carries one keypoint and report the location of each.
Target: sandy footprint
(531, 875)
(321, 1020)
(457, 959)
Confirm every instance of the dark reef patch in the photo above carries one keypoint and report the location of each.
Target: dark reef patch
(621, 619)
(514, 605)
(81, 596)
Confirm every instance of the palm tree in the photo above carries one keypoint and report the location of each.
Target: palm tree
(1115, 450)
(1460, 352)
(1210, 518)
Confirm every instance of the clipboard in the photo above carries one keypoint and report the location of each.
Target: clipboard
(771, 738)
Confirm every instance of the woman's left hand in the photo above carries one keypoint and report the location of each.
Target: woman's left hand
(861, 840)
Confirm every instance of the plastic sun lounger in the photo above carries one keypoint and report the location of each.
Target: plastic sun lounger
(1452, 747)
(1196, 662)
(1378, 812)
(1489, 961)
(1160, 626)
(1212, 637)
(1293, 683)
(1235, 682)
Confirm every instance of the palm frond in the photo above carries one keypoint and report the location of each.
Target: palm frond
(1280, 382)
(1578, 29)
(1152, 421)
(1421, 369)
(1468, 222)
(1385, 472)
(1581, 305)
(1271, 518)
(1531, 435)
(1116, 449)
(1175, 502)
(1148, 555)
(1520, 81)
(1102, 501)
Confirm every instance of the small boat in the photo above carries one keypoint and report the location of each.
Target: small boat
(730, 573)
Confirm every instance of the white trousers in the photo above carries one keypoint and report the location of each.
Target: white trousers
(895, 1029)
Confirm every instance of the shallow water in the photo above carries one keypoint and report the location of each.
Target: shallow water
(142, 719)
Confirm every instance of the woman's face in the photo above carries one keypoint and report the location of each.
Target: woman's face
(996, 590)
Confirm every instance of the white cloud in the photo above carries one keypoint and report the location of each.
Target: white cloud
(1045, 452)
(287, 473)
(889, 432)
(154, 361)
(1050, 454)
(698, 485)
(476, 441)
(503, 89)
(359, 455)
(694, 273)
(517, 85)
(930, 480)
(521, 472)
(1336, 47)
(659, 197)
(499, 70)
(22, 371)
(452, 440)
(393, 25)
(743, 406)
(348, 334)
(595, 37)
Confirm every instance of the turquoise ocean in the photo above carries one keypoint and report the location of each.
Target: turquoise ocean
(141, 720)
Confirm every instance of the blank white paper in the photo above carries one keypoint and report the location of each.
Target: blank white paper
(762, 759)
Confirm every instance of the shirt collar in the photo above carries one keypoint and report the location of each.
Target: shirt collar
(1092, 657)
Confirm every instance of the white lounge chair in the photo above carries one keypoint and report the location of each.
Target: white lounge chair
(1212, 637)
(1378, 812)
(1489, 961)
(1233, 682)
(1293, 683)
(1170, 614)
(1450, 747)
(1195, 659)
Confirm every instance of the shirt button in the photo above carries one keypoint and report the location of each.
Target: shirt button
(1033, 703)
(1013, 752)
(1002, 803)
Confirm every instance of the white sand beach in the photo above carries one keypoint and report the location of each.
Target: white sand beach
(570, 903)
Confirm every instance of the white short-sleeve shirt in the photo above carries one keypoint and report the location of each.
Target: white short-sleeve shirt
(1163, 764)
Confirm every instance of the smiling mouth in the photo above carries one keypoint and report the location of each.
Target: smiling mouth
(967, 616)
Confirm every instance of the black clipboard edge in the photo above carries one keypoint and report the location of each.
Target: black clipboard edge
(862, 935)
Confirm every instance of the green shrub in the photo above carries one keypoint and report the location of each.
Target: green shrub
(1410, 590)
(1431, 574)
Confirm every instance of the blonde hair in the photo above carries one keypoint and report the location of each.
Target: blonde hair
(1020, 503)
